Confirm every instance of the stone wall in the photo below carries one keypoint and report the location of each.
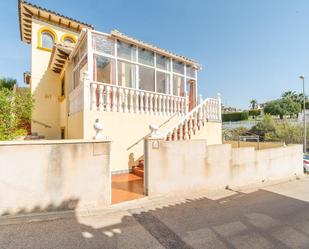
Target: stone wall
(40, 176)
(192, 165)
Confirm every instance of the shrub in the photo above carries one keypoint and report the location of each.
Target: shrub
(254, 112)
(15, 110)
(235, 116)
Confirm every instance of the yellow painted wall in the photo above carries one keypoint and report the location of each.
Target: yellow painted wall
(75, 126)
(124, 130)
(46, 85)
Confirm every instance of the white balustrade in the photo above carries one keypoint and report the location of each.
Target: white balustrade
(111, 98)
(188, 126)
(108, 98)
(136, 101)
(147, 103)
(131, 98)
(114, 99)
(151, 104)
(125, 101)
(101, 97)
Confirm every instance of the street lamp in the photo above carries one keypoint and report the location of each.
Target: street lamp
(302, 77)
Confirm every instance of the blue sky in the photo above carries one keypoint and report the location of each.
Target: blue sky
(248, 48)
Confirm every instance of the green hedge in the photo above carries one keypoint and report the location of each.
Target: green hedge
(254, 112)
(235, 116)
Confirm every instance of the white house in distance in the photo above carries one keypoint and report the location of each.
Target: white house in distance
(80, 75)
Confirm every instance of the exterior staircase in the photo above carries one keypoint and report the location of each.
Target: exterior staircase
(139, 169)
(186, 127)
(189, 125)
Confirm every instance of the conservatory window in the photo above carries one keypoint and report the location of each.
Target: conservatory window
(145, 57)
(163, 82)
(104, 69)
(126, 74)
(146, 79)
(126, 51)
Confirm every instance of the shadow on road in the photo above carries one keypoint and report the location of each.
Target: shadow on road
(257, 220)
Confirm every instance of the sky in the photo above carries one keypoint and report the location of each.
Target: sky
(249, 49)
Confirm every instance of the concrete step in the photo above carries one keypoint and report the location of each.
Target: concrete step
(138, 171)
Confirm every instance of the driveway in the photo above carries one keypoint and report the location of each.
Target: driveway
(272, 217)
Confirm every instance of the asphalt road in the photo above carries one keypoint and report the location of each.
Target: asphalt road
(273, 217)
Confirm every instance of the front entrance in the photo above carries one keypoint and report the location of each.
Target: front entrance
(128, 186)
(191, 93)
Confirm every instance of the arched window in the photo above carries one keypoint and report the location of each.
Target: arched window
(68, 38)
(47, 40)
(47, 37)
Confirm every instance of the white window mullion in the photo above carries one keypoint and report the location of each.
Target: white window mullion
(137, 70)
(89, 54)
(155, 69)
(171, 77)
(116, 61)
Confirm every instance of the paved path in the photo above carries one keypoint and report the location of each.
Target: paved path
(272, 217)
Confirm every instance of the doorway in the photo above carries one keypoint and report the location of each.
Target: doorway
(191, 93)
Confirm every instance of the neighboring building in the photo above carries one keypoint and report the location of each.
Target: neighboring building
(230, 109)
(79, 75)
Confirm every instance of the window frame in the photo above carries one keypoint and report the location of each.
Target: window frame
(40, 36)
(68, 36)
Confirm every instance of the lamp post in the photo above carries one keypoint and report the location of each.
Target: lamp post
(302, 77)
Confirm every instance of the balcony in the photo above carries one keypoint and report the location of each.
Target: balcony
(112, 73)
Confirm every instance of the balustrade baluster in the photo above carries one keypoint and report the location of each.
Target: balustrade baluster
(114, 103)
(168, 104)
(155, 104)
(147, 103)
(186, 135)
(125, 101)
(136, 101)
(141, 102)
(159, 105)
(93, 96)
(151, 104)
(175, 135)
(108, 98)
(131, 107)
(169, 136)
(164, 105)
(175, 105)
(101, 98)
(178, 105)
(120, 100)
(186, 105)
(180, 132)
(190, 127)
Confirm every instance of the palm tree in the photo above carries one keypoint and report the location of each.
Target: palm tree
(289, 95)
(253, 104)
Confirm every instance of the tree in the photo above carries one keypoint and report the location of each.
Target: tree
(15, 111)
(253, 104)
(266, 127)
(289, 95)
(7, 83)
(283, 107)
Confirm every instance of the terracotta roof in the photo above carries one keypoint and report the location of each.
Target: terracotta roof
(28, 10)
(140, 43)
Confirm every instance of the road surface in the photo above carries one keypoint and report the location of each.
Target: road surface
(273, 217)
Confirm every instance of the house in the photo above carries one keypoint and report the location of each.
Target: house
(80, 76)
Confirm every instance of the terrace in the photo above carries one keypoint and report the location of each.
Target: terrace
(117, 73)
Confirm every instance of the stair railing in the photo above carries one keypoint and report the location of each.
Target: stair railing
(40, 123)
(188, 125)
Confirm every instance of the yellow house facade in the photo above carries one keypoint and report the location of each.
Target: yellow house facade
(80, 77)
